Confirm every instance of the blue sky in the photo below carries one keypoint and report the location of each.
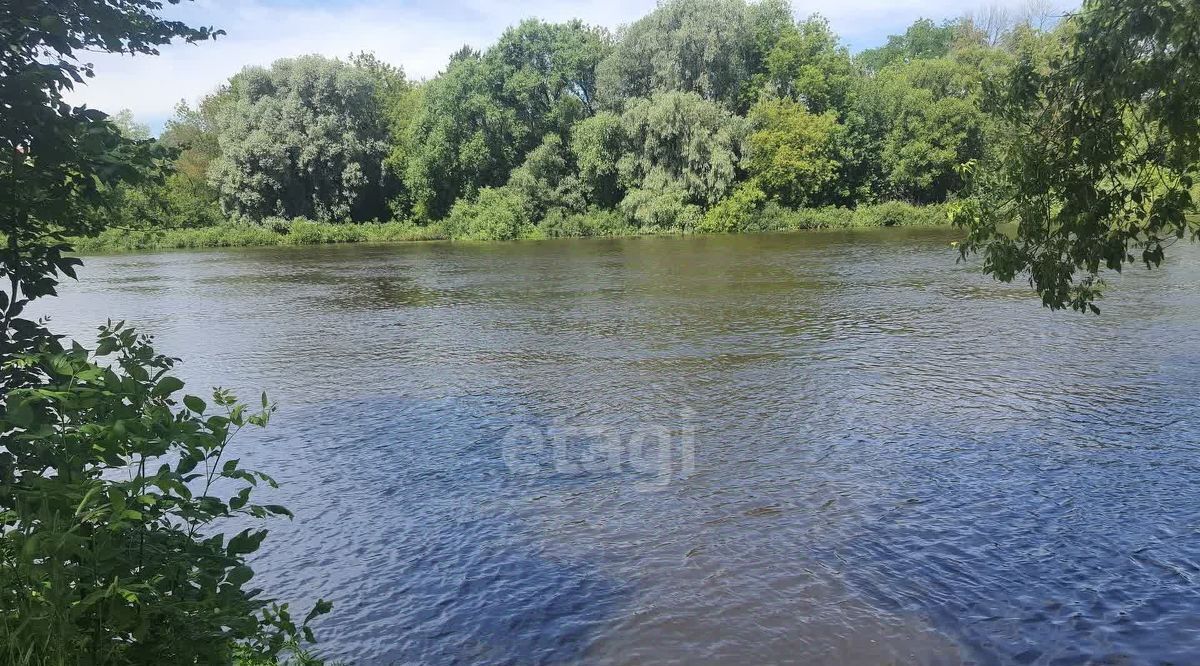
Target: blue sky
(417, 34)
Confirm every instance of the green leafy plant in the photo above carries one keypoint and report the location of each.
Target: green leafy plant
(112, 550)
(114, 492)
(1104, 151)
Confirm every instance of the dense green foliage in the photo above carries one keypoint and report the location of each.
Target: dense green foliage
(478, 120)
(681, 156)
(305, 138)
(793, 152)
(740, 213)
(125, 569)
(274, 231)
(1102, 163)
(111, 541)
(116, 489)
(704, 114)
(712, 48)
(702, 106)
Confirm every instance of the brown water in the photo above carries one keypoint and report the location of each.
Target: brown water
(813, 448)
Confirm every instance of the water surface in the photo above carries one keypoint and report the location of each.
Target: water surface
(895, 459)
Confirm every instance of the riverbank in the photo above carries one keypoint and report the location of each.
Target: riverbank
(308, 232)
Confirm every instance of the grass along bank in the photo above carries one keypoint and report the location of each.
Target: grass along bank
(273, 232)
(485, 227)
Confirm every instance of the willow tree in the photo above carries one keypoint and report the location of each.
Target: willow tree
(305, 137)
(682, 155)
(597, 144)
(712, 48)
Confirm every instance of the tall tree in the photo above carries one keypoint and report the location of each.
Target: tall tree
(682, 146)
(460, 140)
(189, 197)
(809, 64)
(548, 71)
(923, 40)
(935, 124)
(478, 120)
(793, 153)
(712, 48)
(597, 145)
(303, 138)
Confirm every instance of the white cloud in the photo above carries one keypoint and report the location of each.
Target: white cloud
(418, 35)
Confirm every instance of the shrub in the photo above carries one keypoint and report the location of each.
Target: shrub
(899, 214)
(494, 214)
(659, 209)
(500, 214)
(595, 222)
(740, 212)
(889, 214)
(274, 231)
(110, 515)
(811, 218)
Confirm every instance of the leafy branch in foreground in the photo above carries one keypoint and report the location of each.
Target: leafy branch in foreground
(1105, 148)
(110, 511)
(113, 493)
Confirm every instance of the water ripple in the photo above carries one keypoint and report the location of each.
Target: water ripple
(896, 460)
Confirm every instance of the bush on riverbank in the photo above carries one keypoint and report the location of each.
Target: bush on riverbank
(746, 211)
(890, 214)
(502, 223)
(275, 232)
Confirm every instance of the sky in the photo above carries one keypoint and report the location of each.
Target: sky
(419, 35)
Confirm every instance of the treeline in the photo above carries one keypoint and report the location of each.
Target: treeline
(705, 115)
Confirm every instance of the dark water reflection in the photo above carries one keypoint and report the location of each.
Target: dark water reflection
(896, 461)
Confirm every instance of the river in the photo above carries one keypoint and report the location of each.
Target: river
(818, 448)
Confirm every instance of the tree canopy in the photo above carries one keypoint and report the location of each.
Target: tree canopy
(670, 114)
(712, 48)
(305, 137)
(1002, 116)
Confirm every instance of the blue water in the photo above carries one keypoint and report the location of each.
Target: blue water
(814, 448)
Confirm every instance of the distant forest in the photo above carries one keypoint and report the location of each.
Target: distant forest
(703, 115)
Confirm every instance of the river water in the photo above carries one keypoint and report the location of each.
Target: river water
(817, 448)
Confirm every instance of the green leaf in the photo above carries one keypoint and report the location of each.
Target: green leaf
(166, 386)
(194, 404)
(322, 607)
(238, 576)
(186, 464)
(245, 542)
(20, 414)
(238, 501)
(278, 510)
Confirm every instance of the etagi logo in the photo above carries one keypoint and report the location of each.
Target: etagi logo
(654, 454)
